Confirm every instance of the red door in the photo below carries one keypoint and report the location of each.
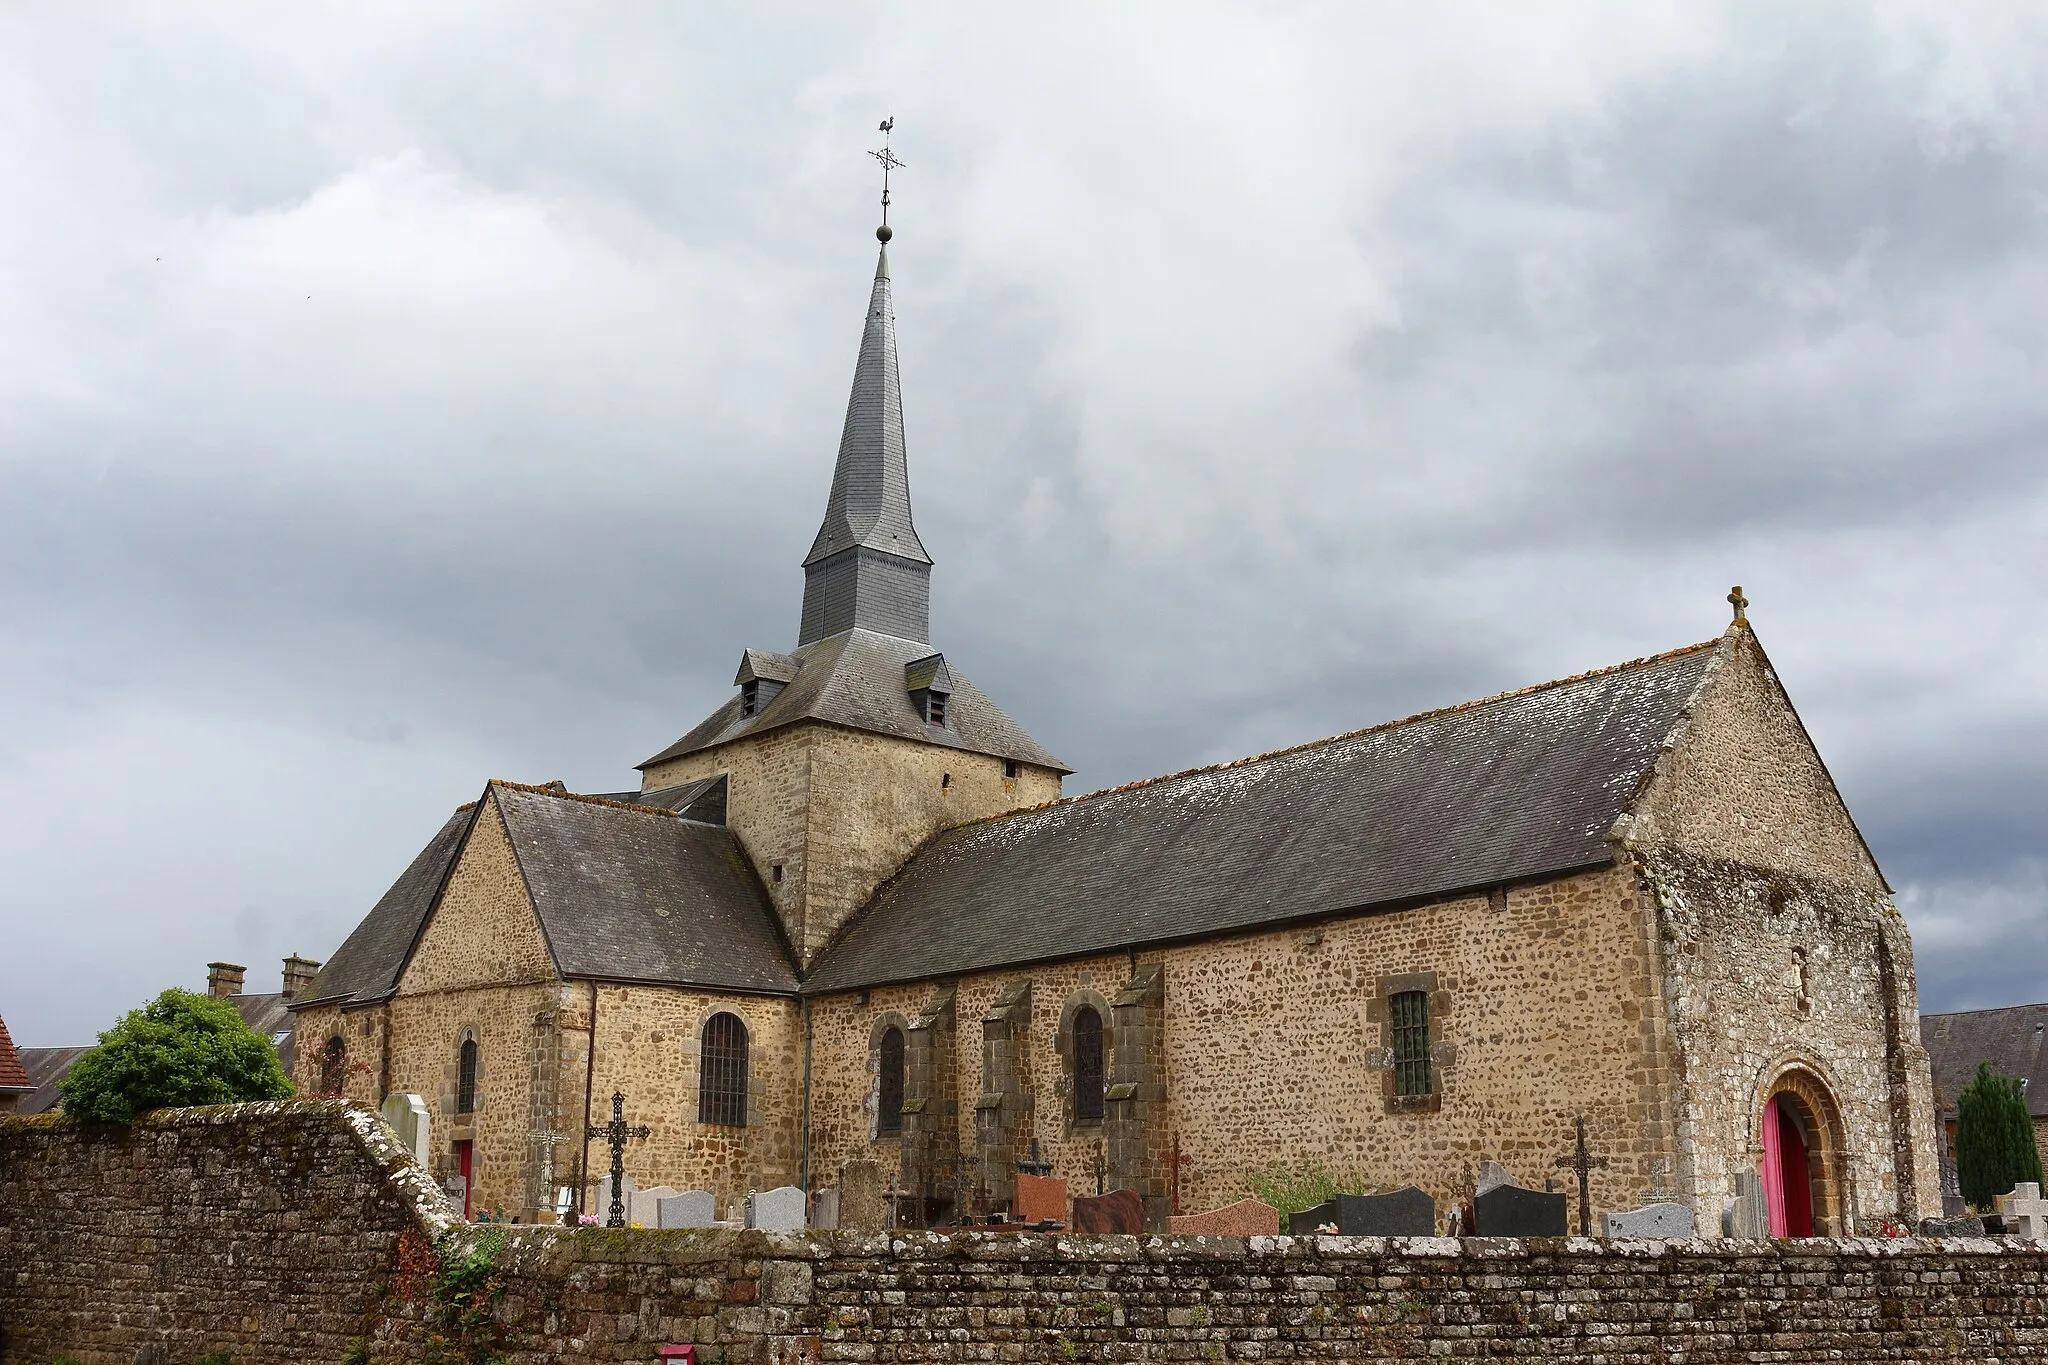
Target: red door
(463, 1168)
(1788, 1182)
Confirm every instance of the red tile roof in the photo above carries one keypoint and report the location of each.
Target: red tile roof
(12, 1077)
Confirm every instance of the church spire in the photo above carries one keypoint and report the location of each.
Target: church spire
(867, 567)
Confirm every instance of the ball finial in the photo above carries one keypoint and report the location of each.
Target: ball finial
(883, 234)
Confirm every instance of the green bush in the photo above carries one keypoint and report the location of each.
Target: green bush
(179, 1049)
(1994, 1138)
(1292, 1190)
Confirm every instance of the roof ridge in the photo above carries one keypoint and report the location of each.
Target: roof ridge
(578, 796)
(1646, 661)
(1986, 1009)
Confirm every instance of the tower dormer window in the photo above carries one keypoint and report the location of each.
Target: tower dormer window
(931, 688)
(750, 698)
(934, 708)
(761, 678)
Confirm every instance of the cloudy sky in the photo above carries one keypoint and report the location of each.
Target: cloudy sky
(394, 397)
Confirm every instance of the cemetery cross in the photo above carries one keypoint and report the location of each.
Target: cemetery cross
(1582, 1164)
(615, 1135)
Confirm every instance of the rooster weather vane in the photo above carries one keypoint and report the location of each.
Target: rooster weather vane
(889, 163)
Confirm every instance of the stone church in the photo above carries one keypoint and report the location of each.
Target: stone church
(850, 916)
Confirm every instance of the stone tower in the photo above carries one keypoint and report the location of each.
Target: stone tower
(835, 761)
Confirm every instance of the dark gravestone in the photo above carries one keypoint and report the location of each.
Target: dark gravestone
(1511, 1211)
(1407, 1212)
(1117, 1211)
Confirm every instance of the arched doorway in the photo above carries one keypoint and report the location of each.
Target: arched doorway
(1800, 1129)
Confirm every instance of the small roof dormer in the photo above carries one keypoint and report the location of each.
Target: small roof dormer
(930, 684)
(761, 677)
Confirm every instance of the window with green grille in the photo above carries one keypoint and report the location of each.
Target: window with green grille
(1411, 1043)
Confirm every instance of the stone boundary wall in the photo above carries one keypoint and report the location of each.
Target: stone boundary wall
(269, 1231)
(288, 1232)
(757, 1299)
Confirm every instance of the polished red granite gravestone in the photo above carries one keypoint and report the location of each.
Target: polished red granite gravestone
(1117, 1211)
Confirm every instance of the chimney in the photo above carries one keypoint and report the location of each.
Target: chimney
(298, 974)
(224, 979)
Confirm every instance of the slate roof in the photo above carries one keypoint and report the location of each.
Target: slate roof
(856, 679)
(366, 965)
(45, 1067)
(635, 894)
(12, 1077)
(870, 500)
(271, 1016)
(2014, 1040)
(1514, 787)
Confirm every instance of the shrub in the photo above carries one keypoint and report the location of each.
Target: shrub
(1292, 1190)
(1994, 1138)
(179, 1049)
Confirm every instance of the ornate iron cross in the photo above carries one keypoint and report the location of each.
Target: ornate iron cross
(889, 163)
(1583, 1163)
(616, 1133)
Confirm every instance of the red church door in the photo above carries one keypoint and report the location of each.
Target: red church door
(1788, 1181)
(463, 1167)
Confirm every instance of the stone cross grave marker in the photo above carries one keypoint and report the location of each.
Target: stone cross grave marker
(690, 1209)
(615, 1134)
(2025, 1212)
(408, 1118)
(1653, 1220)
(779, 1210)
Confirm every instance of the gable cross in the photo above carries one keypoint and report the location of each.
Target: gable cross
(615, 1134)
(1583, 1163)
(1735, 597)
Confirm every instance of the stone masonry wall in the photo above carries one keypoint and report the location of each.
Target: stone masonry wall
(753, 1299)
(269, 1231)
(1547, 1006)
(1786, 963)
(841, 810)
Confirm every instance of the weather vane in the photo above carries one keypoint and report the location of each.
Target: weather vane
(889, 163)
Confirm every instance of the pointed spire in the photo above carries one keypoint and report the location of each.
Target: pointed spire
(867, 567)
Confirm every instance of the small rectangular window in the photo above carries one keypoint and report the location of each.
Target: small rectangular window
(935, 709)
(750, 698)
(1411, 1044)
(776, 872)
(1010, 769)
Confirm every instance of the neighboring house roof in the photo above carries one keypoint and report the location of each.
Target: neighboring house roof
(366, 965)
(2014, 1040)
(856, 679)
(45, 1067)
(271, 1016)
(637, 894)
(1514, 787)
(12, 1077)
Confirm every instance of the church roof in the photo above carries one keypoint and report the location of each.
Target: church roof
(2014, 1040)
(629, 893)
(869, 504)
(1514, 787)
(366, 965)
(857, 679)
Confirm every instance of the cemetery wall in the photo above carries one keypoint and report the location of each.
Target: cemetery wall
(841, 810)
(268, 1231)
(1545, 1008)
(1783, 953)
(753, 1299)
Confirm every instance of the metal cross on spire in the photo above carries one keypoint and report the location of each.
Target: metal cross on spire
(889, 163)
(615, 1135)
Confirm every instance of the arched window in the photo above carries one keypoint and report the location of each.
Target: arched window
(889, 1114)
(465, 1078)
(1088, 1067)
(333, 1067)
(722, 1072)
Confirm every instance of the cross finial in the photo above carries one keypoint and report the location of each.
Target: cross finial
(889, 163)
(1738, 601)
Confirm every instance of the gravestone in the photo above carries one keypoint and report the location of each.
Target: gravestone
(1747, 1217)
(690, 1209)
(1407, 1212)
(825, 1208)
(1652, 1220)
(1117, 1211)
(1492, 1175)
(1039, 1199)
(602, 1204)
(1511, 1211)
(1958, 1225)
(410, 1122)
(1245, 1218)
(862, 1202)
(644, 1207)
(778, 1210)
(2025, 1212)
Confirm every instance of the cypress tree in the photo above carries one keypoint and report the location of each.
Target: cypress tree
(1995, 1148)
